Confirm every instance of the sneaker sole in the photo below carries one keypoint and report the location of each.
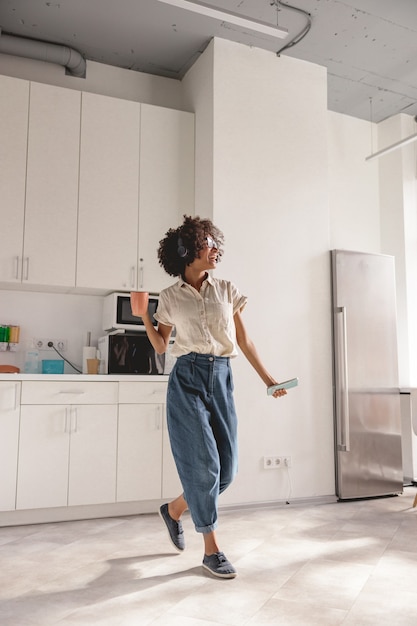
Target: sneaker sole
(169, 534)
(218, 574)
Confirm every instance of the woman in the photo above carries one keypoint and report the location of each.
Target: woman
(202, 422)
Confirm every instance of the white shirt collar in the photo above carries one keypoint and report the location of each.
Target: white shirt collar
(208, 279)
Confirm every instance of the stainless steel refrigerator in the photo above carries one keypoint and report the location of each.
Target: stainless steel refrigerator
(366, 388)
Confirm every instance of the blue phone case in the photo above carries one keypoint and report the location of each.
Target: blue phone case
(287, 384)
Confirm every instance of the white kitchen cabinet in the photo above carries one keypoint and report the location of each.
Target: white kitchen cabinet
(43, 457)
(89, 186)
(39, 183)
(142, 456)
(82, 443)
(136, 181)
(50, 234)
(108, 200)
(92, 468)
(166, 190)
(9, 435)
(14, 110)
(139, 467)
(67, 445)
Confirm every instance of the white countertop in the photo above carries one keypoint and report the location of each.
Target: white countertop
(88, 377)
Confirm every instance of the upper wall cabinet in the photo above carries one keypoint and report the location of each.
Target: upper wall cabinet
(108, 201)
(136, 181)
(166, 189)
(41, 130)
(50, 234)
(89, 186)
(14, 111)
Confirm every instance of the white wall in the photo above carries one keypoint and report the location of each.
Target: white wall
(270, 199)
(281, 176)
(353, 185)
(398, 207)
(198, 96)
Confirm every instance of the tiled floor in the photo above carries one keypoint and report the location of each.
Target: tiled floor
(351, 563)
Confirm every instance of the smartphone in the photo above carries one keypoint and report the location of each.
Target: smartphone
(287, 384)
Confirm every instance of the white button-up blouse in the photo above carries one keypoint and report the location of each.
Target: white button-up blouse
(203, 320)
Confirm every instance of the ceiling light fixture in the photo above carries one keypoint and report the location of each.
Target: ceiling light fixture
(230, 18)
(394, 146)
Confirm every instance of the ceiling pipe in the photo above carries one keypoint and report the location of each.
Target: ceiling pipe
(43, 51)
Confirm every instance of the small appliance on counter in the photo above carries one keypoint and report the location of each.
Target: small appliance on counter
(126, 349)
(117, 313)
(132, 353)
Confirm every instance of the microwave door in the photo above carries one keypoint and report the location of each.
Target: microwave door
(143, 358)
(131, 354)
(124, 318)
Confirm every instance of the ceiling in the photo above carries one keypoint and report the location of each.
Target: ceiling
(368, 46)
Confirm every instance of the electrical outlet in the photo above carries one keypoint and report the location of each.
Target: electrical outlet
(41, 343)
(287, 461)
(60, 344)
(273, 462)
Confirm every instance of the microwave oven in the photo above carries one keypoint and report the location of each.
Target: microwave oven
(132, 353)
(117, 313)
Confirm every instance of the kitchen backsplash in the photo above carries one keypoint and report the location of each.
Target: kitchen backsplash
(53, 316)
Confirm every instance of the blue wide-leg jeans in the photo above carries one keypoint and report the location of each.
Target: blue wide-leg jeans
(202, 426)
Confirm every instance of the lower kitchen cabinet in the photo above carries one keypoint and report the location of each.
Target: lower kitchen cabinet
(80, 443)
(9, 436)
(67, 455)
(93, 454)
(145, 469)
(67, 444)
(139, 467)
(43, 457)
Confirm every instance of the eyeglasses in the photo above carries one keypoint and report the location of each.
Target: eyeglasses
(211, 243)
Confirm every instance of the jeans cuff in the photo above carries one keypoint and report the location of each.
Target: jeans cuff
(206, 529)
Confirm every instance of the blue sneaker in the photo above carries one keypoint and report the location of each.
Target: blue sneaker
(175, 530)
(218, 565)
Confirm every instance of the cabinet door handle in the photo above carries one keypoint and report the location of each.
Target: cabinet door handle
(66, 421)
(132, 276)
(15, 397)
(74, 414)
(26, 264)
(158, 417)
(17, 266)
(141, 273)
(74, 392)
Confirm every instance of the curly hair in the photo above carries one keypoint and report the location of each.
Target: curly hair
(192, 235)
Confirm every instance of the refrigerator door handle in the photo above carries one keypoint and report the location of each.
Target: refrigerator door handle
(344, 444)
